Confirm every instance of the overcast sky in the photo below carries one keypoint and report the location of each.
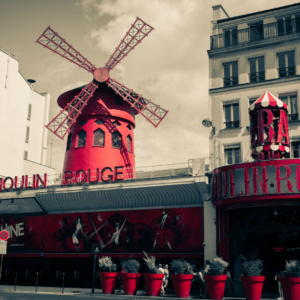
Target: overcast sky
(170, 66)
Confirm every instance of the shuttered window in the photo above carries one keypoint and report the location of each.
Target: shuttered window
(29, 112)
(27, 134)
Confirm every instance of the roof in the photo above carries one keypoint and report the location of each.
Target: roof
(258, 12)
(267, 100)
(178, 195)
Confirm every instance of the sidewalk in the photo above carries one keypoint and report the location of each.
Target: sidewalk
(98, 293)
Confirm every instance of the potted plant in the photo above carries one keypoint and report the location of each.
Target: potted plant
(215, 278)
(130, 276)
(152, 278)
(290, 280)
(108, 275)
(251, 277)
(182, 276)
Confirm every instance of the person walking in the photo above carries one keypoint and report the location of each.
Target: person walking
(229, 282)
(278, 274)
(202, 283)
(166, 278)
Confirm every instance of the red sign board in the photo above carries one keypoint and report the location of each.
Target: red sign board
(4, 235)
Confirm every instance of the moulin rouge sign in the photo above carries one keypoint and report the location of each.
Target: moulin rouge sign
(80, 177)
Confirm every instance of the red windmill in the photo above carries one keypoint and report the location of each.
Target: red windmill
(100, 117)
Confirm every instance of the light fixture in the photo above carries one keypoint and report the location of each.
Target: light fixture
(275, 212)
(207, 123)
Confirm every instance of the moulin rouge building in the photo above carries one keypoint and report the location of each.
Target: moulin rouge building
(100, 200)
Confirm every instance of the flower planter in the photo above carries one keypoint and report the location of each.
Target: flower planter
(130, 282)
(253, 286)
(290, 287)
(216, 286)
(153, 283)
(108, 282)
(182, 285)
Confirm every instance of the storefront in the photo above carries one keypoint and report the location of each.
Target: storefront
(53, 230)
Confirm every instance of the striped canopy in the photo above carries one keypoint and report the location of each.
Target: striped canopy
(267, 100)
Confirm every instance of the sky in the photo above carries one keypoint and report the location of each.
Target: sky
(169, 67)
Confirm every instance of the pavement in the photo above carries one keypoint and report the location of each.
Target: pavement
(28, 292)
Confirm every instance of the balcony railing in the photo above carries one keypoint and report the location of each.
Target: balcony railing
(232, 124)
(286, 72)
(256, 77)
(230, 81)
(293, 117)
(252, 34)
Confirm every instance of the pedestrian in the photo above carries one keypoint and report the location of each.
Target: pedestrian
(166, 278)
(160, 270)
(229, 282)
(202, 283)
(278, 274)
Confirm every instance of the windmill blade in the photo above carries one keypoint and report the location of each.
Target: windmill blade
(57, 44)
(62, 123)
(151, 111)
(137, 32)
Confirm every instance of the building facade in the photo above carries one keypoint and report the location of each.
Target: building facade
(254, 198)
(24, 114)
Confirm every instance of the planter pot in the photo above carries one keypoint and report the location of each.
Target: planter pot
(182, 285)
(216, 286)
(130, 282)
(253, 286)
(108, 282)
(153, 283)
(290, 287)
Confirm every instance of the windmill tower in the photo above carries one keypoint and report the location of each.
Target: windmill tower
(99, 118)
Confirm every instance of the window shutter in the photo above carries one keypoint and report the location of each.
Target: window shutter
(27, 134)
(29, 112)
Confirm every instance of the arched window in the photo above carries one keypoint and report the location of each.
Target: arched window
(81, 138)
(69, 141)
(99, 122)
(129, 145)
(99, 137)
(116, 140)
(82, 122)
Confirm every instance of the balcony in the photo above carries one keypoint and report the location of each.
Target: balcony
(232, 124)
(286, 72)
(253, 34)
(293, 117)
(231, 81)
(257, 77)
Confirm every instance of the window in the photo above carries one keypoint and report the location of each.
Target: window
(69, 141)
(232, 155)
(118, 100)
(129, 145)
(25, 155)
(231, 74)
(291, 100)
(81, 138)
(116, 123)
(296, 149)
(99, 138)
(256, 31)
(29, 112)
(286, 62)
(231, 115)
(230, 37)
(252, 100)
(285, 26)
(27, 134)
(206, 168)
(82, 122)
(116, 140)
(297, 23)
(257, 69)
(99, 122)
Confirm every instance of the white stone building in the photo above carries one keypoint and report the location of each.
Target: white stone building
(250, 54)
(23, 116)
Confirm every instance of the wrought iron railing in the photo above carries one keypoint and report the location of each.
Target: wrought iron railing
(256, 77)
(230, 81)
(286, 72)
(252, 34)
(232, 124)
